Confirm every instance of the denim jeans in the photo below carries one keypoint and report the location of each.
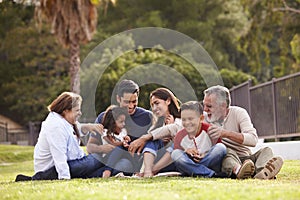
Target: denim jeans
(158, 149)
(123, 165)
(79, 168)
(207, 167)
(118, 154)
(153, 147)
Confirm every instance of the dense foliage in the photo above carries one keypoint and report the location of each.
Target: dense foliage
(255, 40)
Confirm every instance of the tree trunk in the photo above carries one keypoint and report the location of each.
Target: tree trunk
(74, 54)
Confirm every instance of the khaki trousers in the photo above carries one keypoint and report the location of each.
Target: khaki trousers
(260, 158)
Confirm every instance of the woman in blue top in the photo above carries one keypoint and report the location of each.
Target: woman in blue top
(57, 154)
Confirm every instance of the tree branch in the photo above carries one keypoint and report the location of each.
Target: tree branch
(286, 8)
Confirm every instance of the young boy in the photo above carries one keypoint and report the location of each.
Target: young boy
(195, 154)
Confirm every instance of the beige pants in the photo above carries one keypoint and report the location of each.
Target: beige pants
(260, 158)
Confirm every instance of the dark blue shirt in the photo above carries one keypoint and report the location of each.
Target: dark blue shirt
(137, 124)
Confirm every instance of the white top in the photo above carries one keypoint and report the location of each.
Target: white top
(119, 137)
(56, 145)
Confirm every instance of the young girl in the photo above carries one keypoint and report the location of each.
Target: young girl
(195, 154)
(114, 122)
(165, 107)
(114, 133)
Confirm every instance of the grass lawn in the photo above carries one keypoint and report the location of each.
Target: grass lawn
(18, 159)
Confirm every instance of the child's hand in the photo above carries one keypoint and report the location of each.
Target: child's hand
(198, 157)
(126, 141)
(194, 154)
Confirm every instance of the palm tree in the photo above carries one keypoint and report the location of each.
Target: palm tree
(73, 22)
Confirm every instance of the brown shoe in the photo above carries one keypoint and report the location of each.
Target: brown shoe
(271, 169)
(247, 170)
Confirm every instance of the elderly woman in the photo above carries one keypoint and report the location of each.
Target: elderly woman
(57, 154)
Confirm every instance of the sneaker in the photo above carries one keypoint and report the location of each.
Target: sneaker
(220, 175)
(120, 175)
(271, 169)
(21, 177)
(247, 170)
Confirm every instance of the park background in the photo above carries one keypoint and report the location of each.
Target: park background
(255, 45)
(257, 41)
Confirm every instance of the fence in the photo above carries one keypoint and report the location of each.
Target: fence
(20, 136)
(273, 106)
(3, 132)
(13, 136)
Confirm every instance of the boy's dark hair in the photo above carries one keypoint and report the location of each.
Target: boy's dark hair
(127, 86)
(192, 105)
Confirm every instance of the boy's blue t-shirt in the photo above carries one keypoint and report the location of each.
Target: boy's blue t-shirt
(137, 124)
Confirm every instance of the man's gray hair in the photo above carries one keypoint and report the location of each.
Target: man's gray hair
(222, 93)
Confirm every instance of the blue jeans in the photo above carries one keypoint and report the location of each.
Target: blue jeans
(207, 167)
(79, 168)
(122, 165)
(153, 147)
(119, 153)
(158, 149)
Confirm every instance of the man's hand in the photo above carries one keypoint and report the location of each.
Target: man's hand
(137, 145)
(215, 132)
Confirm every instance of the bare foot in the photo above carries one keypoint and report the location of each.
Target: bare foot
(148, 174)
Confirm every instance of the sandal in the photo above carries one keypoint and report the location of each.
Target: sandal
(271, 169)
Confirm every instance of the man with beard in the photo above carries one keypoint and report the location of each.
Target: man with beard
(234, 126)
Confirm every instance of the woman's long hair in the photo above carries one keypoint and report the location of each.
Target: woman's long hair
(173, 107)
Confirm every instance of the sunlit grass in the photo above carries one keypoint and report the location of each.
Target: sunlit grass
(286, 186)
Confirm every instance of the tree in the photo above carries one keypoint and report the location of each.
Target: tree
(37, 71)
(267, 44)
(73, 22)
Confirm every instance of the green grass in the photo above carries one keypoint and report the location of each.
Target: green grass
(286, 186)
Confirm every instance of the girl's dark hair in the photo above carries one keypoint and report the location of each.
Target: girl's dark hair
(174, 106)
(110, 116)
(192, 105)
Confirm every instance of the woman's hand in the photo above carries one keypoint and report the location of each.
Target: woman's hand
(106, 148)
(92, 128)
(166, 140)
(169, 119)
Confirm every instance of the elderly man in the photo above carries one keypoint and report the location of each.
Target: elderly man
(234, 126)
